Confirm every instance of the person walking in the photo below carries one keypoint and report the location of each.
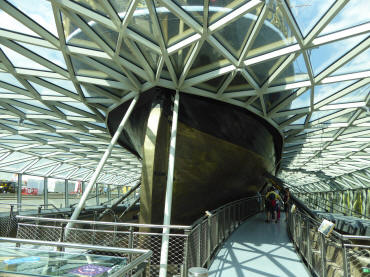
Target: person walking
(271, 204)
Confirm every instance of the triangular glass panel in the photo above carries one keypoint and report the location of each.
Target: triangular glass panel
(83, 69)
(354, 13)
(66, 84)
(42, 13)
(173, 28)
(151, 57)
(51, 55)
(75, 36)
(219, 8)
(68, 112)
(120, 7)
(10, 79)
(332, 52)
(142, 24)
(109, 36)
(299, 121)
(274, 34)
(295, 72)
(272, 99)
(111, 65)
(324, 91)
(282, 119)
(179, 59)
(357, 64)
(16, 155)
(43, 90)
(257, 104)
(193, 8)
(21, 61)
(343, 118)
(320, 114)
(164, 73)
(94, 91)
(239, 83)
(212, 84)
(6, 91)
(234, 35)
(358, 95)
(92, 5)
(36, 103)
(208, 59)
(16, 166)
(308, 13)
(261, 71)
(42, 162)
(8, 22)
(126, 53)
(301, 101)
(41, 171)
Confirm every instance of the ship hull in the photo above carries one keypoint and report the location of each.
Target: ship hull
(222, 153)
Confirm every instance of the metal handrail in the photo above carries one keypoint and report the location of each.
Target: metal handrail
(301, 226)
(202, 239)
(117, 224)
(32, 205)
(324, 202)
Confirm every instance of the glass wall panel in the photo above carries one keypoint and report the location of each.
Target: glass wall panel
(32, 193)
(56, 192)
(91, 198)
(74, 192)
(8, 191)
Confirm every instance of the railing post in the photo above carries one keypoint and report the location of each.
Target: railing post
(97, 193)
(66, 194)
(199, 245)
(309, 249)
(323, 255)
(19, 193)
(46, 192)
(345, 261)
(130, 242)
(184, 272)
(209, 241)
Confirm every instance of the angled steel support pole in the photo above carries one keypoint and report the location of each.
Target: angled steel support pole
(169, 189)
(46, 192)
(66, 193)
(19, 192)
(100, 166)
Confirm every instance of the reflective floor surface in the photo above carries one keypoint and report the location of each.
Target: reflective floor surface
(257, 248)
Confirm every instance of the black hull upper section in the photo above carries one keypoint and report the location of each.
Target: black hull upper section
(221, 120)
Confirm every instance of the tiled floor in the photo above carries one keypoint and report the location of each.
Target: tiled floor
(257, 248)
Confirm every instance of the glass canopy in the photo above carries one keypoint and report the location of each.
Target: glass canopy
(65, 64)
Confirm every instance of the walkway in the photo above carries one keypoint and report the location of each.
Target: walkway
(257, 248)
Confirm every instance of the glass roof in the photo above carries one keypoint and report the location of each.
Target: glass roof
(65, 64)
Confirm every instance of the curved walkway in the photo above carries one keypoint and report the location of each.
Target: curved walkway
(257, 248)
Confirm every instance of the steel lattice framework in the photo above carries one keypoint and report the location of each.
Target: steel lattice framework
(65, 64)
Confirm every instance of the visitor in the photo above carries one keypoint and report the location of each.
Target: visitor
(271, 204)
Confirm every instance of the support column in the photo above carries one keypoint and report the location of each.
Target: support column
(97, 194)
(169, 189)
(109, 194)
(19, 192)
(100, 166)
(66, 194)
(45, 192)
